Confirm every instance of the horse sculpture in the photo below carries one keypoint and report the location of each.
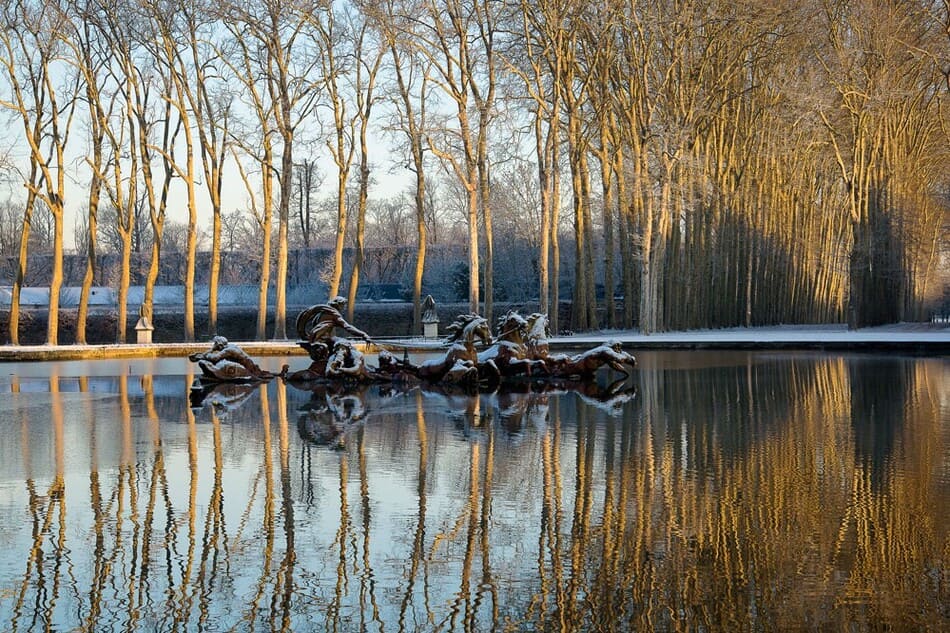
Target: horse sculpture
(577, 366)
(508, 354)
(520, 350)
(460, 363)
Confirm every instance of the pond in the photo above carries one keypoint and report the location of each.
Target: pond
(709, 491)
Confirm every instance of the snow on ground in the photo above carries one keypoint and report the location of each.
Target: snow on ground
(920, 337)
(785, 335)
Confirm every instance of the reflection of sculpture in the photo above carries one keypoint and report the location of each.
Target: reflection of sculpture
(519, 403)
(226, 362)
(224, 397)
(331, 414)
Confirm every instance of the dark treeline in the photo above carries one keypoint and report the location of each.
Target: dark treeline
(713, 163)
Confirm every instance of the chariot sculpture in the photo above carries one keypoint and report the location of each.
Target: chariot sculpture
(471, 355)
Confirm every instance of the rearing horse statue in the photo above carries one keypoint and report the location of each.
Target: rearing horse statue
(577, 366)
(509, 354)
(460, 363)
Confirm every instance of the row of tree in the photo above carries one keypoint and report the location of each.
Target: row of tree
(713, 162)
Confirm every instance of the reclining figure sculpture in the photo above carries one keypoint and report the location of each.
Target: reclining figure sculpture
(226, 362)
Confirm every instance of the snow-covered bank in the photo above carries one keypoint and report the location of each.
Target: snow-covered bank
(921, 337)
(910, 337)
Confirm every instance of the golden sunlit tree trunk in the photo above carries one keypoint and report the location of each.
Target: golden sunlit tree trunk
(342, 142)
(23, 252)
(87, 44)
(278, 46)
(484, 12)
(411, 115)
(365, 84)
(260, 149)
(542, 25)
(44, 105)
(210, 105)
(176, 96)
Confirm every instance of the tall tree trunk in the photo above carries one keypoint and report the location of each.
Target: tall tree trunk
(414, 135)
(485, 197)
(286, 184)
(267, 193)
(422, 238)
(473, 258)
(192, 245)
(555, 294)
(56, 278)
(360, 226)
(22, 258)
(544, 178)
(607, 178)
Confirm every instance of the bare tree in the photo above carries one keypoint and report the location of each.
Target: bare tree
(459, 61)
(259, 148)
(308, 179)
(44, 89)
(277, 40)
(210, 105)
(369, 58)
(411, 72)
(93, 55)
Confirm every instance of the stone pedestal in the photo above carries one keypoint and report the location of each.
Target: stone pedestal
(430, 318)
(143, 331)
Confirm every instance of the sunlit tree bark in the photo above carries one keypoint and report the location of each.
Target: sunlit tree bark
(210, 106)
(342, 142)
(91, 50)
(411, 74)
(369, 55)
(44, 90)
(259, 149)
(278, 41)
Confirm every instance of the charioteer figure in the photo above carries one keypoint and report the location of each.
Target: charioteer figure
(316, 328)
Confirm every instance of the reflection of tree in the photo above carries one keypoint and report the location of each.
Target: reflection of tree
(754, 509)
(267, 520)
(878, 397)
(44, 510)
(214, 539)
(417, 556)
(284, 589)
(367, 578)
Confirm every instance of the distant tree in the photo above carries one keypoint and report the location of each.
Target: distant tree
(10, 217)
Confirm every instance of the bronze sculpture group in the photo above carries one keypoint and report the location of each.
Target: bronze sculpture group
(473, 355)
(514, 365)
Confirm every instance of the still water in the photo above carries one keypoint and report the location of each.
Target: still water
(726, 491)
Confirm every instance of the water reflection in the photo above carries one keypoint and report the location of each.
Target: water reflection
(717, 492)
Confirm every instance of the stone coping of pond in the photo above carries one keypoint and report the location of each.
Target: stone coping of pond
(917, 338)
